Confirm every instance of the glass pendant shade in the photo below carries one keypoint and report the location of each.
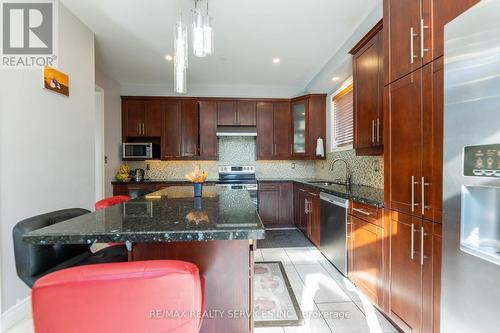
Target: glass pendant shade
(181, 45)
(198, 34)
(181, 57)
(180, 79)
(208, 35)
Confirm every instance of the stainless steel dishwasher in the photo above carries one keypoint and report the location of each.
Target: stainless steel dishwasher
(333, 241)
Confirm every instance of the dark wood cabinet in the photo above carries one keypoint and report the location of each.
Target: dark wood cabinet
(415, 136)
(365, 250)
(189, 129)
(171, 135)
(208, 129)
(141, 118)
(269, 200)
(276, 204)
(412, 273)
(246, 113)
(265, 130)
(314, 217)
(414, 32)
(135, 190)
(236, 113)
(273, 130)
(226, 113)
(308, 212)
(368, 88)
(308, 118)
(281, 125)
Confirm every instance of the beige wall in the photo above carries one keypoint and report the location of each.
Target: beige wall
(46, 143)
(112, 128)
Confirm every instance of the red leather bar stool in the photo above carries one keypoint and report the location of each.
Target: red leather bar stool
(111, 201)
(142, 296)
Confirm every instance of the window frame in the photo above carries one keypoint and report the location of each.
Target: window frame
(345, 88)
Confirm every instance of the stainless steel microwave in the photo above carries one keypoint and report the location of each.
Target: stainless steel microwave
(133, 150)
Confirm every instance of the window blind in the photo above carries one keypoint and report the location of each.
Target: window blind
(343, 117)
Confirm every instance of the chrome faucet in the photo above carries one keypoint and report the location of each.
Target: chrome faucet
(348, 175)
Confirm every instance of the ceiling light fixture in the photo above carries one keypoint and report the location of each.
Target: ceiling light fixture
(335, 78)
(208, 34)
(198, 36)
(181, 56)
(276, 60)
(168, 57)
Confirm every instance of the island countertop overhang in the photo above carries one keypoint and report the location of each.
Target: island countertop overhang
(168, 215)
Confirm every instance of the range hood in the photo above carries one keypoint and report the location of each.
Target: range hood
(236, 131)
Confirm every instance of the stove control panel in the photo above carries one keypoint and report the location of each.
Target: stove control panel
(236, 169)
(482, 161)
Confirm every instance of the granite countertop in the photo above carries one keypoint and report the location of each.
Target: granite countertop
(159, 181)
(364, 194)
(171, 214)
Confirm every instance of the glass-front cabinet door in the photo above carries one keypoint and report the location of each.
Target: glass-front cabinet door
(299, 114)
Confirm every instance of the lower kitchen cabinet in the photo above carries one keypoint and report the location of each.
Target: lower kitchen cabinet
(276, 204)
(367, 251)
(135, 190)
(307, 212)
(365, 255)
(412, 273)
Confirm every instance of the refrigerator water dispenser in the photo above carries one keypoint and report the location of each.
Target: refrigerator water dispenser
(480, 222)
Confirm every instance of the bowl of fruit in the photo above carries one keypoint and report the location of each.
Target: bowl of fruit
(123, 174)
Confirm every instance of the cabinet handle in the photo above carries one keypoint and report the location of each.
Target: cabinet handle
(422, 235)
(305, 207)
(373, 131)
(361, 211)
(180, 149)
(412, 194)
(412, 35)
(378, 129)
(412, 242)
(139, 128)
(422, 27)
(143, 131)
(238, 117)
(301, 190)
(313, 194)
(275, 150)
(423, 196)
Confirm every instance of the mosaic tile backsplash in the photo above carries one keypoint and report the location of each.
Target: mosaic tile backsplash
(366, 170)
(232, 151)
(241, 151)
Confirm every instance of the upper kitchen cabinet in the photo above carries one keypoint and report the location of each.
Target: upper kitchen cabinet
(308, 124)
(141, 118)
(368, 85)
(414, 142)
(208, 129)
(236, 113)
(273, 130)
(182, 125)
(414, 32)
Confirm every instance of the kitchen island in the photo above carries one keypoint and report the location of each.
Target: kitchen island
(216, 232)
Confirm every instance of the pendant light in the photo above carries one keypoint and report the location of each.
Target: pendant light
(208, 34)
(181, 56)
(198, 33)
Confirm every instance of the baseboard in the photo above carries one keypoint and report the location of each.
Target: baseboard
(17, 313)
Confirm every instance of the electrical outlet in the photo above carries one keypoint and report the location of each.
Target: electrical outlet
(105, 160)
(293, 165)
(148, 167)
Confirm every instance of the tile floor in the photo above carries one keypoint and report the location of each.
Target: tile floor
(330, 303)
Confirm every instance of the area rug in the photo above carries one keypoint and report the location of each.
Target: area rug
(275, 304)
(283, 238)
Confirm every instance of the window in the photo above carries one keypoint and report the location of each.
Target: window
(342, 117)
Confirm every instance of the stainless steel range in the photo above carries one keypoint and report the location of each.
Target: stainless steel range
(239, 177)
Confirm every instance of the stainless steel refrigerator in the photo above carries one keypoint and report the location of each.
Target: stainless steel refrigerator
(470, 300)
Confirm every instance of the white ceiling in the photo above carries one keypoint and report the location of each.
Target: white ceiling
(133, 37)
